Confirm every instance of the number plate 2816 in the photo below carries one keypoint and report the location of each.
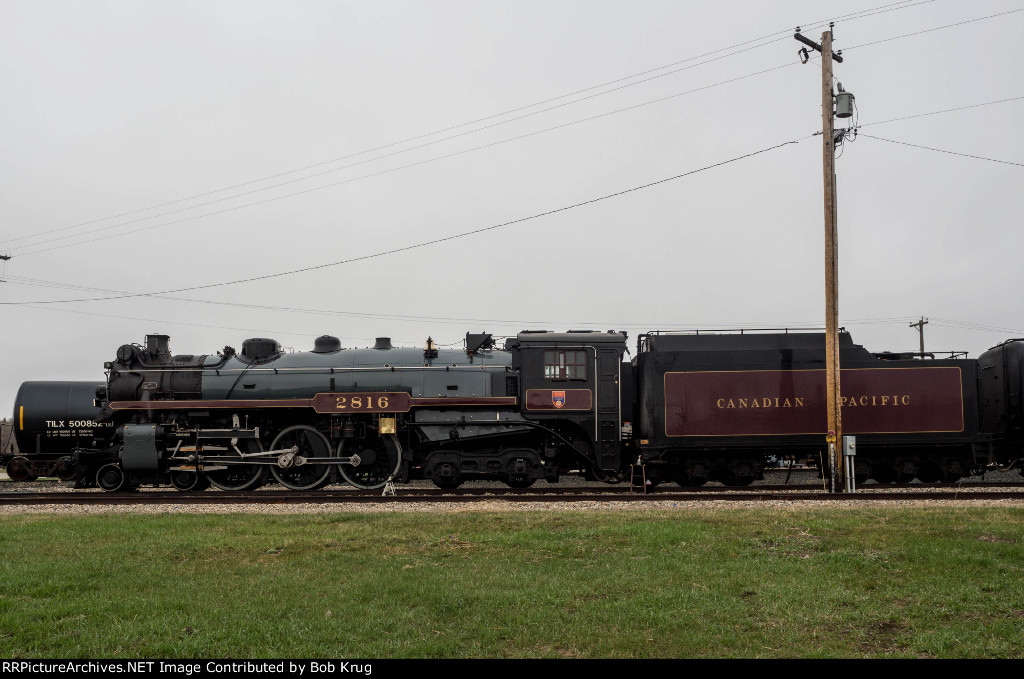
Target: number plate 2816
(363, 402)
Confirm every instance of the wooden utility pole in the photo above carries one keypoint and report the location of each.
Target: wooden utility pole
(833, 405)
(832, 389)
(920, 329)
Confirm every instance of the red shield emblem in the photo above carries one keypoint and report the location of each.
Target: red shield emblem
(558, 398)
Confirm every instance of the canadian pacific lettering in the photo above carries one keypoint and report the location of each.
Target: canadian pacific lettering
(799, 402)
(760, 402)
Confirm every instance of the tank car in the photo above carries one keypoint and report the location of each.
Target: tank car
(51, 420)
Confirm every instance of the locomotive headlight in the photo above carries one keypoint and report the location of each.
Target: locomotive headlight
(125, 353)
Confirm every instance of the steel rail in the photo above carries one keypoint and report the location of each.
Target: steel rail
(481, 494)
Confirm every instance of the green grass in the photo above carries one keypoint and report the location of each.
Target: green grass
(917, 582)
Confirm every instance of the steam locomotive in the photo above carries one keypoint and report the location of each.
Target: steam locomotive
(689, 407)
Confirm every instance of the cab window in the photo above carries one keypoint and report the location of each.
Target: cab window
(565, 364)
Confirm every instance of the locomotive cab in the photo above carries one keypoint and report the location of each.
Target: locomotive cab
(571, 384)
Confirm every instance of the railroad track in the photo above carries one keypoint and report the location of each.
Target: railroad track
(971, 491)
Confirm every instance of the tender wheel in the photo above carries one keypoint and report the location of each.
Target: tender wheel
(189, 481)
(238, 477)
(111, 478)
(380, 458)
(311, 444)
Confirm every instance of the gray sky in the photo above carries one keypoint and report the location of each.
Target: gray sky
(113, 108)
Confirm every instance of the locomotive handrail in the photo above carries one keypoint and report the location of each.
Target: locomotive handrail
(392, 368)
(332, 370)
(641, 339)
(894, 355)
(1009, 341)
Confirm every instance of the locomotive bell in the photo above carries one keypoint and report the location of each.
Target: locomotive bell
(844, 103)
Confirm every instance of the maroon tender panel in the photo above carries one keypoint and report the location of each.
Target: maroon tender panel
(774, 402)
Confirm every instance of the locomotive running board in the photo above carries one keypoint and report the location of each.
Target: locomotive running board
(328, 403)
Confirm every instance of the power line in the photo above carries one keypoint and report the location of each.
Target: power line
(943, 322)
(672, 327)
(853, 16)
(54, 284)
(930, 148)
(930, 30)
(409, 165)
(947, 110)
(167, 322)
(374, 174)
(464, 320)
(434, 241)
(350, 165)
(968, 325)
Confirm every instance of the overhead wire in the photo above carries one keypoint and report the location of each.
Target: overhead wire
(169, 322)
(370, 160)
(619, 325)
(853, 16)
(388, 171)
(932, 113)
(931, 30)
(55, 284)
(968, 325)
(932, 148)
(433, 241)
(917, 115)
(945, 110)
(360, 178)
(622, 325)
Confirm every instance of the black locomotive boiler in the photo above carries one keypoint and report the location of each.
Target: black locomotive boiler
(691, 407)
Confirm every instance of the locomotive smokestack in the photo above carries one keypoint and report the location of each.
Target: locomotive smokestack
(158, 346)
(383, 343)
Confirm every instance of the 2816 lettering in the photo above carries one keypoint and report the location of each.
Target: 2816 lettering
(362, 402)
